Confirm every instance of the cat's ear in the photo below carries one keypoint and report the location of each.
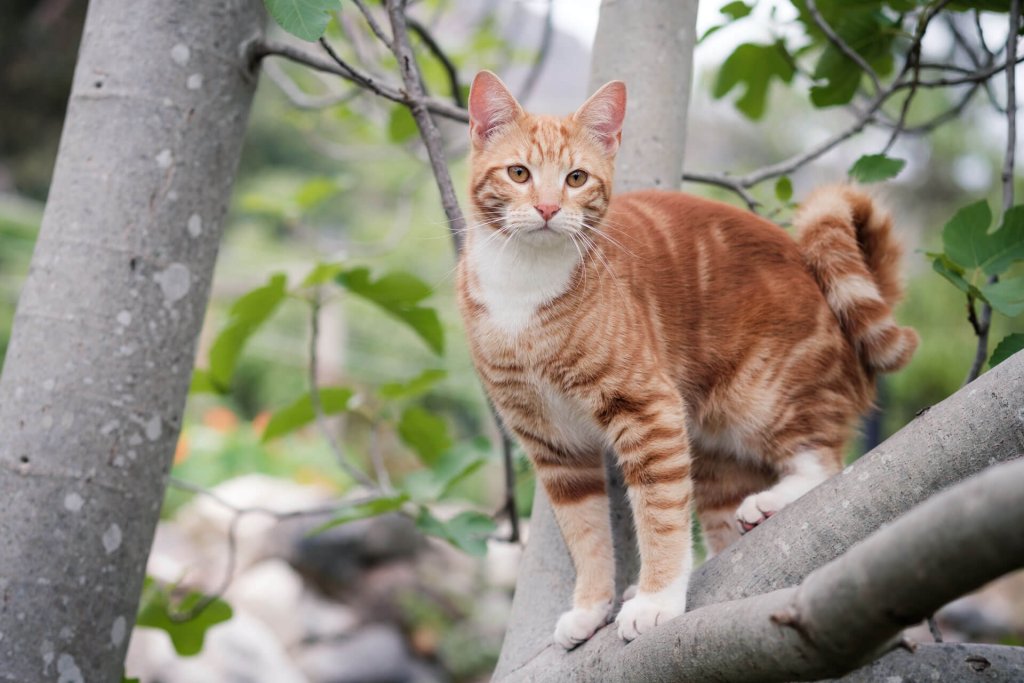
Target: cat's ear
(491, 105)
(603, 114)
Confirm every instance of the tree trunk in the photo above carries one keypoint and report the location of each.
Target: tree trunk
(649, 45)
(100, 359)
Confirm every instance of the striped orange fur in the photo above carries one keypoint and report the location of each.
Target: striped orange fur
(724, 362)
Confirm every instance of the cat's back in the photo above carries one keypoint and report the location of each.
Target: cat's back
(667, 220)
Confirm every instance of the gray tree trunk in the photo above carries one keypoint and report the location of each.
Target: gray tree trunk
(649, 45)
(99, 363)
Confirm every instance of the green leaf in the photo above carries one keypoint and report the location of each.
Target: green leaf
(245, 317)
(1011, 344)
(1006, 244)
(419, 384)
(435, 483)
(1006, 295)
(156, 611)
(754, 67)
(969, 243)
(401, 124)
(306, 19)
(372, 508)
(201, 383)
(314, 192)
(736, 10)
(333, 400)
(399, 293)
(942, 265)
(784, 189)
(865, 29)
(321, 273)
(467, 531)
(424, 433)
(965, 232)
(872, 168)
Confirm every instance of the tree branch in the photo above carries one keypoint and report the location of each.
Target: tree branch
(842, 46)
(843, 614)
(417, 101)
(537, 67)
(959, 437)
(340, 68)
(435, 49)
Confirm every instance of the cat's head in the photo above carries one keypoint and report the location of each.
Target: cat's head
(542, 177)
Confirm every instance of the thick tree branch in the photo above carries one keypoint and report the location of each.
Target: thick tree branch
(843, 614)
(961, 436)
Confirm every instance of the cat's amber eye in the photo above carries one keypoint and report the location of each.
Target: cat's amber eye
(576, 178)
(518, 173)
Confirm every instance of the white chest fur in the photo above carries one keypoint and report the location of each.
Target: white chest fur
(518, 275)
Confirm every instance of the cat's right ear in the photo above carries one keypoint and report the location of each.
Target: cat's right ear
(491, 106)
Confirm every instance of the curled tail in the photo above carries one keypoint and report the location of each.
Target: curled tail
(847, 242)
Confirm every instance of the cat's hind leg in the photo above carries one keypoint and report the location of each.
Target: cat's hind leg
(801, 473)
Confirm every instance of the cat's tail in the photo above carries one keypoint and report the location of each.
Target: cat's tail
(847, 242)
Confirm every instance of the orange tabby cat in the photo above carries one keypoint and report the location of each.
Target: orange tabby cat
(725, 362)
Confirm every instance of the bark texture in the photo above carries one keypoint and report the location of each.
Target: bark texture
(979, 426)
(845, 613)
(649, 45)
(101, 354)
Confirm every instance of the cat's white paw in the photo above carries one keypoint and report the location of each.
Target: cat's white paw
(578, 624)
(645, 611)
(757, 508)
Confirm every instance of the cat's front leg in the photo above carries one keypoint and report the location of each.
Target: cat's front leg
(576, 489)
(647, 429)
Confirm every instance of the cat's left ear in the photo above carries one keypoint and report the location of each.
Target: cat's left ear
(603, 114)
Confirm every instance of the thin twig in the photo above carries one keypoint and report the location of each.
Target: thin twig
(272, 48)
(372, 22)
(546, 39)
(300, 98)
(842, 46)
(984, 323)
(416, 99)
(314, 399)
(435, 49)
(726, 182)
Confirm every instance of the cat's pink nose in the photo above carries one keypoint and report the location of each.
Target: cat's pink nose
(547, 210)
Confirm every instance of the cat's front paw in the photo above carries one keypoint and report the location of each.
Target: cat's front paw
(758, 507)
(645, 611)
(578, 624)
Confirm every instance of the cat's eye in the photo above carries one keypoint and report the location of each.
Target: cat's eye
(518, 173)
(576, 178)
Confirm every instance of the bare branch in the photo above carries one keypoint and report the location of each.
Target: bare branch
(441, 56)
(372, 22)
(726, 182)
(985, 319)
(416, 99)
(848, 611)
(842, 46)
(300, 98)
(350, 73)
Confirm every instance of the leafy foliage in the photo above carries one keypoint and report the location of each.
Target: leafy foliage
(372, 508)
(872, 168)
(467, 531)
(245, 317)
(187, 634)
(1011, 344)
(436, 483)
(425, 433)
(753, 67)
(977, 262)
(306, 19)
(399, 293)
(333, 400)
